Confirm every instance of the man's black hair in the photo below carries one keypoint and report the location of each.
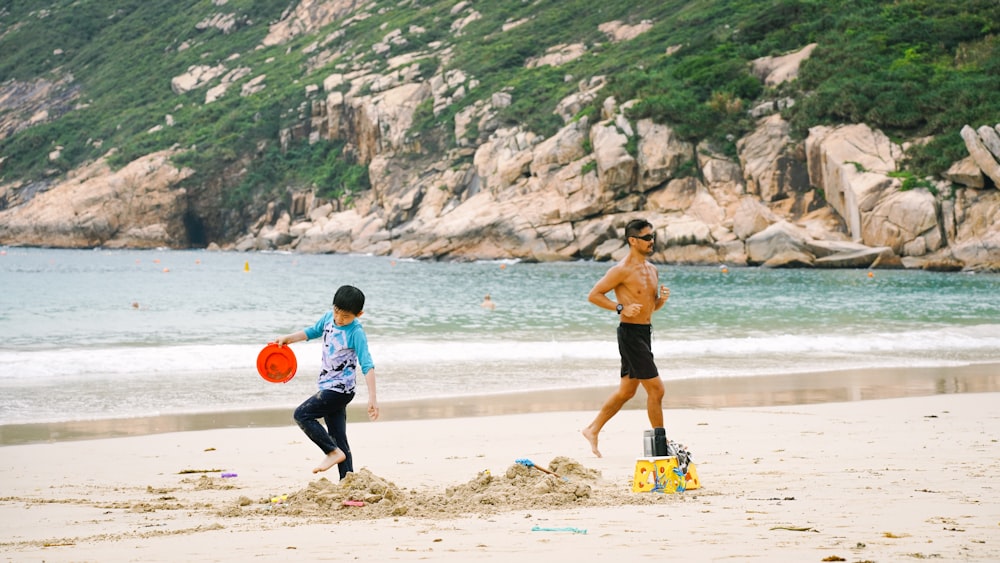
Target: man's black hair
(634, 227)
(349, 298)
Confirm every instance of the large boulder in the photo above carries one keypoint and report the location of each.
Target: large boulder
(374, 124)
(593, 233)
(686, 231)
(752, 217)
(850, 164)
(786, 245)
(138, 206)
(307, 17)
(559, 150)
(863, 258)
(661, 153)
(770, 166)
(990, 137)
(904, 221)
(581, 191)
(965, 172)
(780, 245)
(776, 70)
(616, 168)
(677, 195)
(505, 158)
(980, 152)
(977, 237)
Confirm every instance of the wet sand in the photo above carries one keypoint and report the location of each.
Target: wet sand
(711, 393)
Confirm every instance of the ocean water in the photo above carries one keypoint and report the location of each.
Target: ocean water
(98, 334)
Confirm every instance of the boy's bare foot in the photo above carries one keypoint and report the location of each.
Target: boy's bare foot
(331, 459)
(591, 437)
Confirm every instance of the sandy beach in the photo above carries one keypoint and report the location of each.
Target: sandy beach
(882, 479)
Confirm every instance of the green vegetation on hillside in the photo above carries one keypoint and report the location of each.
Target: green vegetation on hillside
(913, 68)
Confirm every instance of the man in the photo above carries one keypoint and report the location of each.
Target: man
(634, 281)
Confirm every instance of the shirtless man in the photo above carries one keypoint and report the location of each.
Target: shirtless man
(634, 281)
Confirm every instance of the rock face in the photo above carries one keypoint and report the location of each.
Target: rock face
(537, 199)
(832, 200)
(852, 165)
(136, 207)
(548, 199)
(308, 15)
(775, 70)
(24, 104)
(984, 148)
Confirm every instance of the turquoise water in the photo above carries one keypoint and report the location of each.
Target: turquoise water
(90, 334)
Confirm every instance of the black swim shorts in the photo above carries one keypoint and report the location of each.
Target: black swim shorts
(635, 347)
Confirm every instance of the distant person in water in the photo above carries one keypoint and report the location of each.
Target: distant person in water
(488, 303)
(634, 282)
(345, 348)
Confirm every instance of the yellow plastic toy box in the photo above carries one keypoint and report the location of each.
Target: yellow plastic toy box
(661, 474)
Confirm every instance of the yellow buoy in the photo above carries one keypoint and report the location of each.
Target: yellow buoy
(246, 266)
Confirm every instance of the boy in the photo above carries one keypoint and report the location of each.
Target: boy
(345, 347)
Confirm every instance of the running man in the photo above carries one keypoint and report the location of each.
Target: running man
(634, 281)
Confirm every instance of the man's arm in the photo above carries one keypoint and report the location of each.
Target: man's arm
(661, 300)
(613, 281)
(598, 294)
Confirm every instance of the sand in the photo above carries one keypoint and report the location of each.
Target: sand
(869, 480)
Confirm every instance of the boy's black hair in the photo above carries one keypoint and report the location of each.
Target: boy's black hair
(634, 227)
(349, 298)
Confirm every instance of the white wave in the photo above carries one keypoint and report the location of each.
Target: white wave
(972, 343)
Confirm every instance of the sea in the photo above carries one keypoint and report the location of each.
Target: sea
(108, 334)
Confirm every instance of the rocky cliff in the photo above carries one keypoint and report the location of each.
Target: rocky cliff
(835, 199)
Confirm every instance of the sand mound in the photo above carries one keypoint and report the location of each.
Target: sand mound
(573, 470)
(364, 495)
(519, 487)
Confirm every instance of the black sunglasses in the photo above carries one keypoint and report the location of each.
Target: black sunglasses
(648, 238)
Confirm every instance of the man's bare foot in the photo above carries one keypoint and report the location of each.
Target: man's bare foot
(331, 459)
(591, 437)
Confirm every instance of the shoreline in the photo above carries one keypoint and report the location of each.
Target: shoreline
(834, 386)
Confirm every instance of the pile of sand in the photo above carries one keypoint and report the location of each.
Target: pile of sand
(364, 495)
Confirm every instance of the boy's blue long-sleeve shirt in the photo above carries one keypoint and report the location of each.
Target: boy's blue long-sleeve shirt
(344, 349)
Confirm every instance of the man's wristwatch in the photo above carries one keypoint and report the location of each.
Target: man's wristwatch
(619, 308)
